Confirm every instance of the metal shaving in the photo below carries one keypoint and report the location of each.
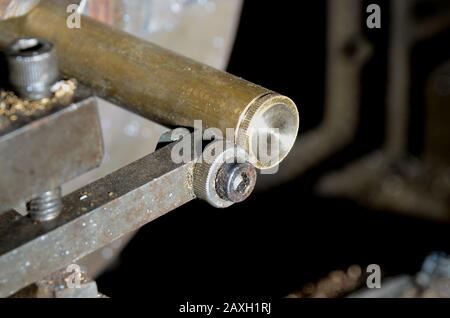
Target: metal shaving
(13, 107)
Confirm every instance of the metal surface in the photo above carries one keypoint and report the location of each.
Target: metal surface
(33, 67)
(87, 290)
(127, 137)
(157, 83)
(44, 153)
(70, 282)
(92, 217)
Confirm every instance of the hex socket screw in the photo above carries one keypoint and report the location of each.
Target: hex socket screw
(235, 182)
(33, 67)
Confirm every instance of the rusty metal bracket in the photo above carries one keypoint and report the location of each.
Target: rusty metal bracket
(92, 217)
(46, 152)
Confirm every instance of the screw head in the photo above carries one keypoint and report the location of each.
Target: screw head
(235, 182)
(33, 67)
(224, 176)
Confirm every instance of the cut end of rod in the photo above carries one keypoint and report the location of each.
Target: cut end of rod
(268, 130)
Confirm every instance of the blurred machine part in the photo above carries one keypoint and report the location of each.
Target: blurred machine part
(432, 281)
(337, 284)
(397, 177)
(15, 8)
(179, 25)
(406, 174)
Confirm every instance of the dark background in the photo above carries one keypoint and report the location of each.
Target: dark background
(281, 239)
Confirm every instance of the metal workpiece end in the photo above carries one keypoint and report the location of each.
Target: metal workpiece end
(268, 129)
(46, 207)
(33, 67)
(223, 176)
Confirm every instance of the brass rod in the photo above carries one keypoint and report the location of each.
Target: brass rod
(157, 83)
